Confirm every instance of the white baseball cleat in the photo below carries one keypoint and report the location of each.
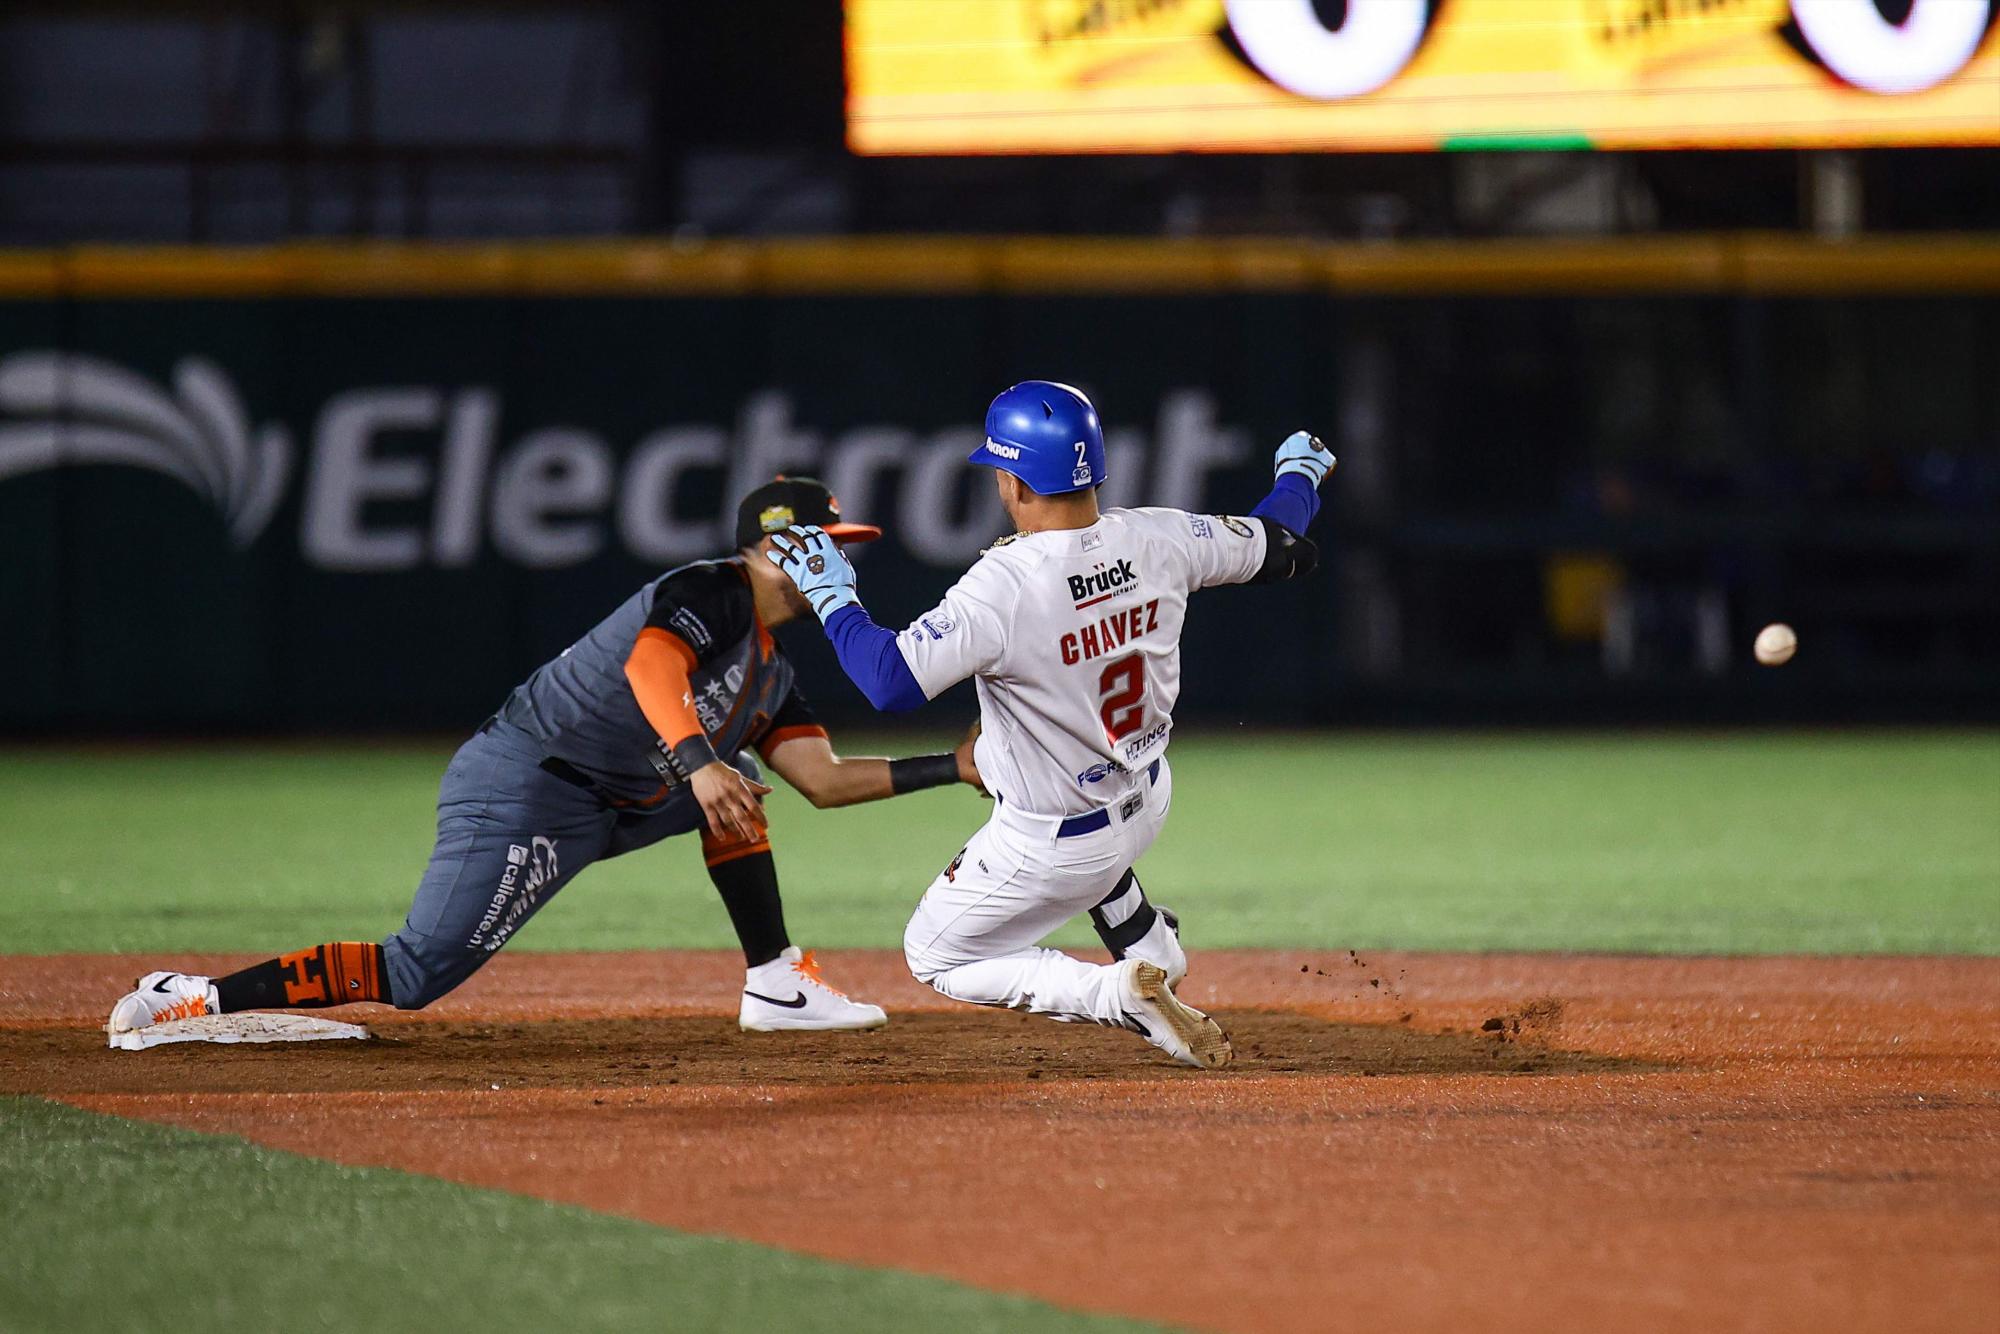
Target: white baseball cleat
(161, 998)
(1162, 945)
(1176, 1028)
(788, 994)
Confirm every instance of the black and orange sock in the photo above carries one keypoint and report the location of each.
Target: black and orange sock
(331, 974)
(748, 883)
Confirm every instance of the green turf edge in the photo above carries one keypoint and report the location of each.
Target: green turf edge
(118, 1224)
(1805, 842)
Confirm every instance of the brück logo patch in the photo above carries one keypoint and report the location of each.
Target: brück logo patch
(1087, 590)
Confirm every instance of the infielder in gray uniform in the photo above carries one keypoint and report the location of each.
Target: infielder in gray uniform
(651, 725)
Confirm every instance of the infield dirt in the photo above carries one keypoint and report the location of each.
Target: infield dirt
(1408, 1142)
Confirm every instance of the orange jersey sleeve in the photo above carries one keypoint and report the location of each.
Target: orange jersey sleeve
(658, 669)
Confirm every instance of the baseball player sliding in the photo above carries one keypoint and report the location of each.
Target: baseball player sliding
(647, 727)
(1071, 629)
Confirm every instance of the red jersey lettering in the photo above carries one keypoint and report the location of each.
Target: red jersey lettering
(1111, 632)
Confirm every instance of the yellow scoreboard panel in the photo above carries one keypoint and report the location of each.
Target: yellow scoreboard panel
(1119, 76)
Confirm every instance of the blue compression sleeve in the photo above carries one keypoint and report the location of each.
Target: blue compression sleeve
(1293, 502)
(869, 656)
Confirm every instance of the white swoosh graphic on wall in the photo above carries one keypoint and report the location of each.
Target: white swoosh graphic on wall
(74, 410)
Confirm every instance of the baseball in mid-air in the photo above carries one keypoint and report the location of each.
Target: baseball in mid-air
(1776, 644)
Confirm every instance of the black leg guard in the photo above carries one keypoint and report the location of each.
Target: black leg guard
(1123, 917)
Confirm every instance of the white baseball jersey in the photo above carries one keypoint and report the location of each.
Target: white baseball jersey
(1073, 637)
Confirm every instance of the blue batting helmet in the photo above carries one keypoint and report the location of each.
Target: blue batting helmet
(1047, 435)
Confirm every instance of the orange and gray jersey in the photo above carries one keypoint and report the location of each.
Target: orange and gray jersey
(681, 673)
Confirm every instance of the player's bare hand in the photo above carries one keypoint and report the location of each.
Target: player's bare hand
(968, 769)
(1304, 453)
(732, 803)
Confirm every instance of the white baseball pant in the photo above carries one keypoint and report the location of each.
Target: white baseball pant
(975, 935)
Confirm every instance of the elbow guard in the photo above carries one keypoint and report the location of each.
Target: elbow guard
(1286, 554)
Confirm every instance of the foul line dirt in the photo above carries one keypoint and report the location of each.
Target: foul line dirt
(1410, 1142)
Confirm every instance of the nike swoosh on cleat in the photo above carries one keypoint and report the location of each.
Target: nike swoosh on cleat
(797, 1002)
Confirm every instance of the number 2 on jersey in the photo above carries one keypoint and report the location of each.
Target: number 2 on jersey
(1122, 689)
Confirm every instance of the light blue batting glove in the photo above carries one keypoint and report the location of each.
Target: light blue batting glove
(1303, 454)
(815, 563)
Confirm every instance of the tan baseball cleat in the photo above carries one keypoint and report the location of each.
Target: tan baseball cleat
(1176, 1028)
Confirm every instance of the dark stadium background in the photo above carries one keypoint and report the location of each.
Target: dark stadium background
(1564, 497)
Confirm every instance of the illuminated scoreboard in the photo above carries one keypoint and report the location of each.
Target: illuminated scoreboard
(1102, 76)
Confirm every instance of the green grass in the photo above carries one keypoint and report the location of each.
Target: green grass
(1798, 842)
(115, 1224)
(1806, 842)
